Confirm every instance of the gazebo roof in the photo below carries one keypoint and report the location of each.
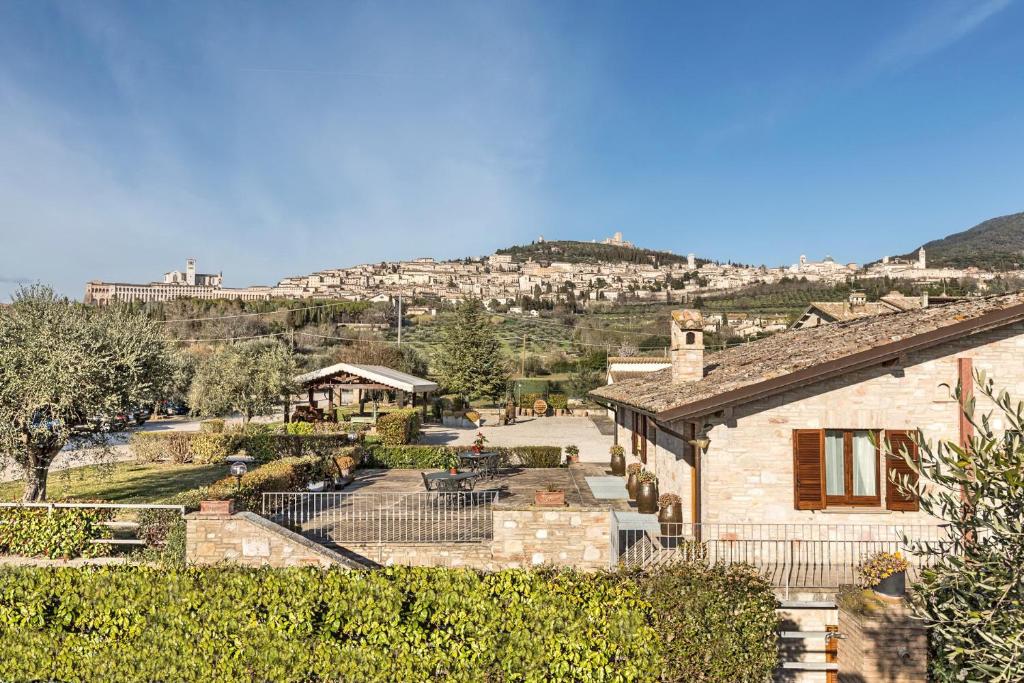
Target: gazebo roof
(376, 374)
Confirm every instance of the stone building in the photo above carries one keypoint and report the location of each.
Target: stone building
(784, 429)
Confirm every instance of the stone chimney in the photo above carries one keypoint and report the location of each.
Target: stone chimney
(924, 300)
(687, 354)
(858, 298)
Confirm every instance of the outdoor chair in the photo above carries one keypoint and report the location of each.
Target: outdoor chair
(426, 482)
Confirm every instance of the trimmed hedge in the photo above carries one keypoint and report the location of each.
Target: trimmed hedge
(436, 457)
(399, 427)
(396, 624)
(259, 441)
(58, 533)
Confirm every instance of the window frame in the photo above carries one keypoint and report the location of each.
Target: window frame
(848, 499)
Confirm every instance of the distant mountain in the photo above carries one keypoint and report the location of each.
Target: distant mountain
(570, 251)
(996, 244)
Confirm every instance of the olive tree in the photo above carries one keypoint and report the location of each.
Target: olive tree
(249, 378)
(971, 595)
(63, 363)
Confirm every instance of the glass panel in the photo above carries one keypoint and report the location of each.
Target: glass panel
(834, 471)
(865, 464)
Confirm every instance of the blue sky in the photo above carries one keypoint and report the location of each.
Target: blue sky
(271, 139)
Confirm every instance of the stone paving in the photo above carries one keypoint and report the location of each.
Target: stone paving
(529, 431)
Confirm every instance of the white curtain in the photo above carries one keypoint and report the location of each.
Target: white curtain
(834, 474)
(865, 464)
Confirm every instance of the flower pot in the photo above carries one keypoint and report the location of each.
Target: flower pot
(453, 470)
(618, 464)
(549, 499)
(631, 486)
(892, 586)
(647, 498)
(572, 459)
(671, 519)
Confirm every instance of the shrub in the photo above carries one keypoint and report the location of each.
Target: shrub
(718, 622)
(162, 446)
(212, 447)
(399, 427)
(53, 533)
(395, 624)
(558, 401)
(533, 456)
(527, 400)
(214, 426)
(164, 532)
(438, 457)
(299, 428)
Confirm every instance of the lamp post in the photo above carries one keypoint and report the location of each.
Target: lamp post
(239, 466)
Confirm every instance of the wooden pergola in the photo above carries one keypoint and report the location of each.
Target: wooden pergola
(363, 379)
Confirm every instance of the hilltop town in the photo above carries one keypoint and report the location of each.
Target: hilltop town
(514, 278)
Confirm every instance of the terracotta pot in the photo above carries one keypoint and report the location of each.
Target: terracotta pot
(549, 498)
(671, 518)
(618, 464)
(453, 470)
(647, 498)
(893, 586)
(572, 458)
(631, 486)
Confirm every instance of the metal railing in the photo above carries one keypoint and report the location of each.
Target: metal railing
(790, 555)
(376, 518)
(121, 518)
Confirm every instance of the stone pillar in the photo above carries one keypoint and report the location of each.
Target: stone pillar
(887, 646)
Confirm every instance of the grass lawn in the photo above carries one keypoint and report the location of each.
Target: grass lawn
(125, 482)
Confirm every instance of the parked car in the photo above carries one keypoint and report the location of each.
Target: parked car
(174, 408)
(140, 415)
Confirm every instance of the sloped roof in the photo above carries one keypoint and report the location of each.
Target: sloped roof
(844, 310)
(793, 357)
(378, 374)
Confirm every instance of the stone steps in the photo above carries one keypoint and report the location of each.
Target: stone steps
(803, 636)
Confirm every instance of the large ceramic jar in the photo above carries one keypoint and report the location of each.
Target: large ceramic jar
(647, 497)
(671, 519)
(893, 586)
(618, 463)
(631, 485)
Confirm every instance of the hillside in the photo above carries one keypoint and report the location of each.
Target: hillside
(590, 252)
(996, 244)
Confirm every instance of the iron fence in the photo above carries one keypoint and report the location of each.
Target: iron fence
(376, 518)
(790, 555)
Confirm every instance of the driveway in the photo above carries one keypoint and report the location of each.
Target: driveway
(529, 431)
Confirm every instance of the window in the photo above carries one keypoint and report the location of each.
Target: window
(851, 467)
(843, 467)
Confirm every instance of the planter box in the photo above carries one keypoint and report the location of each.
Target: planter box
(549, 499)
(216, 507)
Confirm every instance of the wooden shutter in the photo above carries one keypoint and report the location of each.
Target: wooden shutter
(643, 439)
(895, 465)
(809, 469)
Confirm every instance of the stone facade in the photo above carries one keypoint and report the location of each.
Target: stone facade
(523, 537)
(747, 472)
(888, 647)
(248, 539)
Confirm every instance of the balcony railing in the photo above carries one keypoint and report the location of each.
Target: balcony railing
(376, 518)
(790, 555)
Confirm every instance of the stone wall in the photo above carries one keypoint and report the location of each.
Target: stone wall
(248, 539)
(888, 647)
(523, 537)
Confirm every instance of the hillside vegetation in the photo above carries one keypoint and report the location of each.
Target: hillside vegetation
(569, 251)
(996, 244)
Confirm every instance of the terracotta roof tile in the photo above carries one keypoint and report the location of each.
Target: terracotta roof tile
(792, 351)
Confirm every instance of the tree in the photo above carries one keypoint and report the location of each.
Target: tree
(62, 363)
(404, 358)
(583, 380)
(249, 378)
(470, 361)
(972, 593)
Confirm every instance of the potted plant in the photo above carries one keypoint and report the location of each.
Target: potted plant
(572, 454)
(552, 496)
(670, 514)
(478, 443)
(886, 574)
(631, 483)
(451, 461)
(646, 492)
(618, 463)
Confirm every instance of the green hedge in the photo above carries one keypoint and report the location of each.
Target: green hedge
(57, 533)
(399, 427)
(435, 457)
(260, 441)
(397, 624)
